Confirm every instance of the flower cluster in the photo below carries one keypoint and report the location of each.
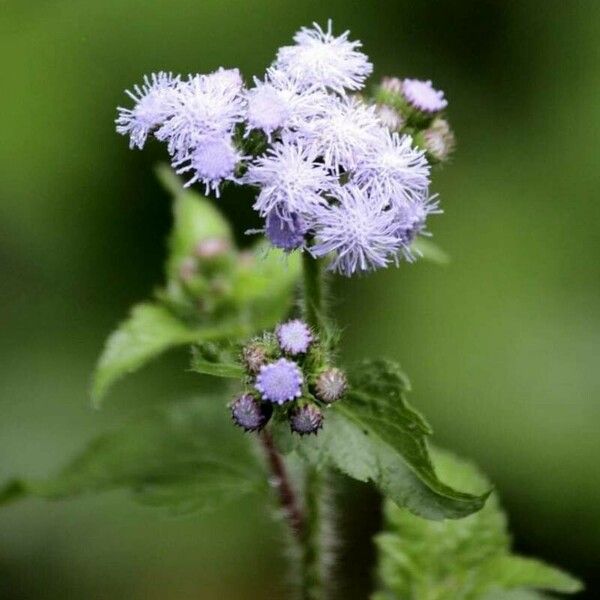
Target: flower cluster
(287, 372)
(336, 173)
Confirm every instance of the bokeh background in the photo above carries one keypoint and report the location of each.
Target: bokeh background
(502, 345)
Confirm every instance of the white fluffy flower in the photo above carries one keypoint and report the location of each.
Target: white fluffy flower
(344, 135)
(290, 179)
(206, 106)
(410, 221)
(319, 58)
(361, 235)
(278, 102)
(211, 162)
(394, 169)
(153, 104)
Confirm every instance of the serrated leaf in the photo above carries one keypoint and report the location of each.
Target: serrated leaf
(430, 251)
(148, 332)
(467, 559)
(374, 434)
(184, 457)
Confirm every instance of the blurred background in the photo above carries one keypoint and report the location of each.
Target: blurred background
(502, 345)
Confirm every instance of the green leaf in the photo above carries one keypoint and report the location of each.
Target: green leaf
(430, 251)
(149, 331)
(467, 559)
(211, 360)
(185, 457)
(374, 434)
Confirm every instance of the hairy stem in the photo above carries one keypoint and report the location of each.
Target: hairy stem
(283, 486)
(313, 292)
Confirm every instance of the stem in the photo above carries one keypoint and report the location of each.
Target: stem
(283, 486)
(313, 292)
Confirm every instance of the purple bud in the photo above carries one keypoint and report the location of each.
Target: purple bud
(254, 357)
(423, 96)
(249, 413)
(392, 85)
(294, 337)
(331, 385)
(439, 140)
(287, 234)
(306, 419)
(280, 381)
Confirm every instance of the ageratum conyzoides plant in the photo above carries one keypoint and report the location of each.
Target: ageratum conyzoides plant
(341, 179)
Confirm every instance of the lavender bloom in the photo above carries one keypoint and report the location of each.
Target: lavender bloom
(344, 135)
(331, 385)
(278, 102)
(289, 178)
(319, 58)
(389, 117)
(422, 96)
(394, 169)
(287, 234)
(306, 419)
(249, 413)
(280, 381)
(294, 337)
(410, 221)
(206, 106)
(153, 104)
(438, 140)
(212, 161)
(360, 233)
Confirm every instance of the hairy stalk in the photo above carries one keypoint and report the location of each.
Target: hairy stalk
(315, 558)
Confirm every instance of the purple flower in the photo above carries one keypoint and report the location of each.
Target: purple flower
(306, 419)
(287, 234)
(410, 221)
(394, 169)
(249, 413)
(212, 161)
(153, 104)
(280, 381)
(358, 231)
(294, 337)
(331, 385)
(422, 96)
(321, 59)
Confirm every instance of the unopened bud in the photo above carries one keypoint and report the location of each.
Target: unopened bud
(212, 248)
(187, 269)
(331, 385)
(438, 140)
(254, 357)
(306, 419)
(249, 413)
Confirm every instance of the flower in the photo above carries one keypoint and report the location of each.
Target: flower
(153, 104)
(389, 117)
(249, 413)
(358, 231)
(438, 140)
(287, 234)
(394, 169)
(319, 58)
(306, 419)
(331, 385)
(289, 178)
(294, 337)
(212, 161)
(254, 357)
(349, 130)
(422, 96)
(278, 102)
(410, 220)
(205, 106)
(279, 381)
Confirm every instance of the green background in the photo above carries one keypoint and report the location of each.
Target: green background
(502, 345)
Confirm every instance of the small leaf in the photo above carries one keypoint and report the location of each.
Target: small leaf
(211, 363)
(430, 251)
(149, 331)
(185, 457)
(373, 434)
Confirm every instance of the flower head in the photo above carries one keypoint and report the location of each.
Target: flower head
(394, 169)
(358, 231)
(410, 221)
(285, 233)
(439, 140)
(249, 413)
(389, 117)
(306, 419)
(254, 357)
(294, 337)
(319, 58)
(153, 104)
(350, 129)
(279, 381)
(423, 96)
(289, 177)
(205, 106)
(331, 385)
(212, 161)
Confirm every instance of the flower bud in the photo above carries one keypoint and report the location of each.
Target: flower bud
(249, 413)
(331, 385)
(389, 117)
(212, 248)
(294, 337)
(254, 357)
(280, 381)
(438, 140)
(187, 269)
(306, 419)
